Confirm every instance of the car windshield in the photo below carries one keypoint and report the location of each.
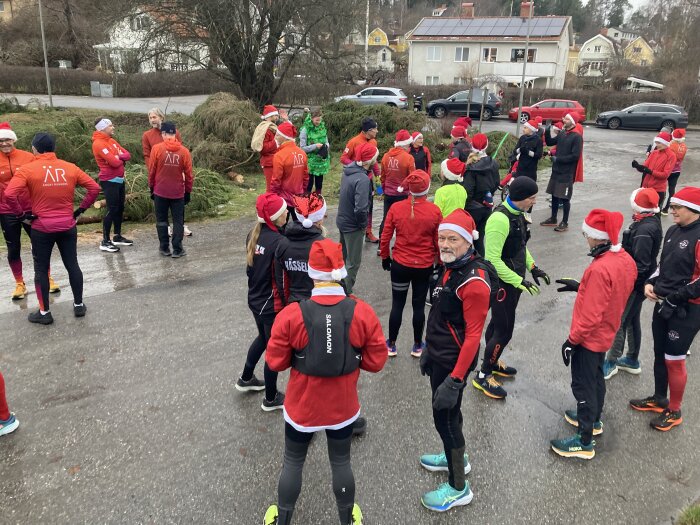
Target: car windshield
(630, 108)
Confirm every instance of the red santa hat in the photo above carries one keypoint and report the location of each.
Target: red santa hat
(570, 117)
(688, 197)
(453, 169)
(644, 200)
(417, 183)
(533, 124)
(458, 132)
(604, 225)
(416, 135)
(309, 208)
(367, 152)
(326, 261)
(558, 125)
(461, 222)
(403, 138)
(269, 111)
(480, 142)
(678, 134)
(287, 130)
(463, 121)
(270, 207)
(6, 131)
(663, 138)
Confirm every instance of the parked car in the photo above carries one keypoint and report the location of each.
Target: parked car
(550, 109)
(457, 104)
(379, 95)
(646, 115)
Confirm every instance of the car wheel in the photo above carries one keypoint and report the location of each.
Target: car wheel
(524, 117)
(614, 123)
(487, 114)
(439, 112)
(391, 104)
(668, 124)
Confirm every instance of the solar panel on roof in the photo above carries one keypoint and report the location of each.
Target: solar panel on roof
(510, 27)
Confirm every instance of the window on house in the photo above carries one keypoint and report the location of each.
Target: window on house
(643, 62)
(2, 7)
(597, 49)
(596, 66)
(432, 80)
(377, 40)
(458, 81)
(434, 54)
(517, 54)
(490, 54)
(462, 54)
(384, 56)
(617, 34)
(140, 23)
(636, 49)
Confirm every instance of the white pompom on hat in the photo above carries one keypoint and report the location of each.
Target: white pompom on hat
(461, 222)
(309, 209)
(326, 261)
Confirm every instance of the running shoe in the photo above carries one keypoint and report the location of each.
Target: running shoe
(563, 226)
(573, 448)
(359, 427)
(490, 387)
(9, 425)
(271, 515)
(79, 310)
(178, 253)
(108, 246)
(667, 420)
(445, 497)
(122, 241)
(609, 369)
(276, 404)
(166, 252)
(438, 463)
(38, 318)
(356, 515)
(571, 417)
(391, 348)
(20, 291)
(252, 385)
(187, 231)
(631, 366)
(504, 370)
(649, 404)
(549, 222)
(53, 287)
(417, 349)
(369, 237)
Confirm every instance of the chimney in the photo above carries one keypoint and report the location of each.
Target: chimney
(525, 9)
(467, 10)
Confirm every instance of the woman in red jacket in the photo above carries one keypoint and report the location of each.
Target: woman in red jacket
(415, 222)
(657, 168)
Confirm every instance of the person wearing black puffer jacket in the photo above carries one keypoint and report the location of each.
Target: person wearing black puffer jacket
(528, 151)
(481, 181)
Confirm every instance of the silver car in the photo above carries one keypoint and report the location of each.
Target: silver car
(379, 95)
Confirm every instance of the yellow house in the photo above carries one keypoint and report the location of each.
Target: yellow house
(572, 64)
(377, 38)
(6, 10)
(639, 52)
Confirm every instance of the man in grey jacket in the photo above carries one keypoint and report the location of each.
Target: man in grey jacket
(353, 209)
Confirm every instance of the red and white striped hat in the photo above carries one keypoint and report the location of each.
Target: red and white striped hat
(403, 138)
(461, 222)
(688, 197)
(269, 111)
(604, 225)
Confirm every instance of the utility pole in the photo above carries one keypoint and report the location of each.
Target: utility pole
(367, 42)
(522, 79)
(46, 60)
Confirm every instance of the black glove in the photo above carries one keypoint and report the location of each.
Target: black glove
(570, 285)
(153, 196)
(566, 350)
(447, 394)
(671, 306)
(646, 170)
(635, 164)
(77, 213)
(527, 286)
(426, 364)
(187, 198)
(538, 274)
(386, 264)
(26, 217)
(639, 167)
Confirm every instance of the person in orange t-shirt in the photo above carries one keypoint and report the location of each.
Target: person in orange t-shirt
(290, 171)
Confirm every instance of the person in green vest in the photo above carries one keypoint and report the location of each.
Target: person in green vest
(313, 139)
(451, 195)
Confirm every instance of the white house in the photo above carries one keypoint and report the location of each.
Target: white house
(595, 55)
(619, 34)
(450, 50)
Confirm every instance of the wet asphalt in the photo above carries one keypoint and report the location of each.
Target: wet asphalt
(130, 415)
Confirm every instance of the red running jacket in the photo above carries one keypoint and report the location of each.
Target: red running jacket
(170, 171)
(661, 163)
(9, 164)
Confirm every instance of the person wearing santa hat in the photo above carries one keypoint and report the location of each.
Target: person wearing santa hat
(642, 240)
(460, 147)
(481, 181)
(460, 303)
(578, 128)
(415, 222)
(528, 150)
(326, 340)
(368, 133)
(290, 171)
(569, 146)
(353, 209)
(602, 293)
(451, 195)
(397, 163)
(8, 421)
(658, 165)
(263, 140)
(507, 234)
(679, 149)
(420, 153)
(264, 299)
(675, 288)
(11, 159)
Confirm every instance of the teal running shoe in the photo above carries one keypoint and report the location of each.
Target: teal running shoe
(438, 463)
(571, 417)
(445, 497)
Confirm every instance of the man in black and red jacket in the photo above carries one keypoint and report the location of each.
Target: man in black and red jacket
(460, 302)
(675, 287)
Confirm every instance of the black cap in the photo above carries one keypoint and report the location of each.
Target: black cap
(522, 188)
(168, 127)
(368, 123)
(44, 143)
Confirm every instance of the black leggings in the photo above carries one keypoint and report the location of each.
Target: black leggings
(42, 246)
(500, 329)
(296, 445)
(403, 277)
(255, 352)
(115, 195)
(12, 231)
(672, 181)
(566, 207)
(318, 180)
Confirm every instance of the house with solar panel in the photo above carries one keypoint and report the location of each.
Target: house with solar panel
(446, 50)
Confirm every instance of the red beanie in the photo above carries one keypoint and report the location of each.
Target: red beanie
(645, 200)
(287, 130)
(458, 132)
(688, 197)
(416, 135)
(461, 222)
(6, 131)
(270, 207)
(453, 169)
(663, 138)
(480, 142)
(604, 225)
(403, 138)
(269, 111)
(417, 183)
(326, 261)
(366, 152)
(678, 134)
(463, 121)
(309, 208)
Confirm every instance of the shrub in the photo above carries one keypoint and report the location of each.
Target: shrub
(10, 105)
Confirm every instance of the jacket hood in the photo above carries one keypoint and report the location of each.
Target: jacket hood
(396, 151)
(296, 232)
(98, 135)
(172, 145)
(482, 166)
(353, 169)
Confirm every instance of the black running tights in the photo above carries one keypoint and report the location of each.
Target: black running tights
(566, 208)
(42, 246)
(255, 352)
(403, 277)
(115, 195)
(500, 328)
